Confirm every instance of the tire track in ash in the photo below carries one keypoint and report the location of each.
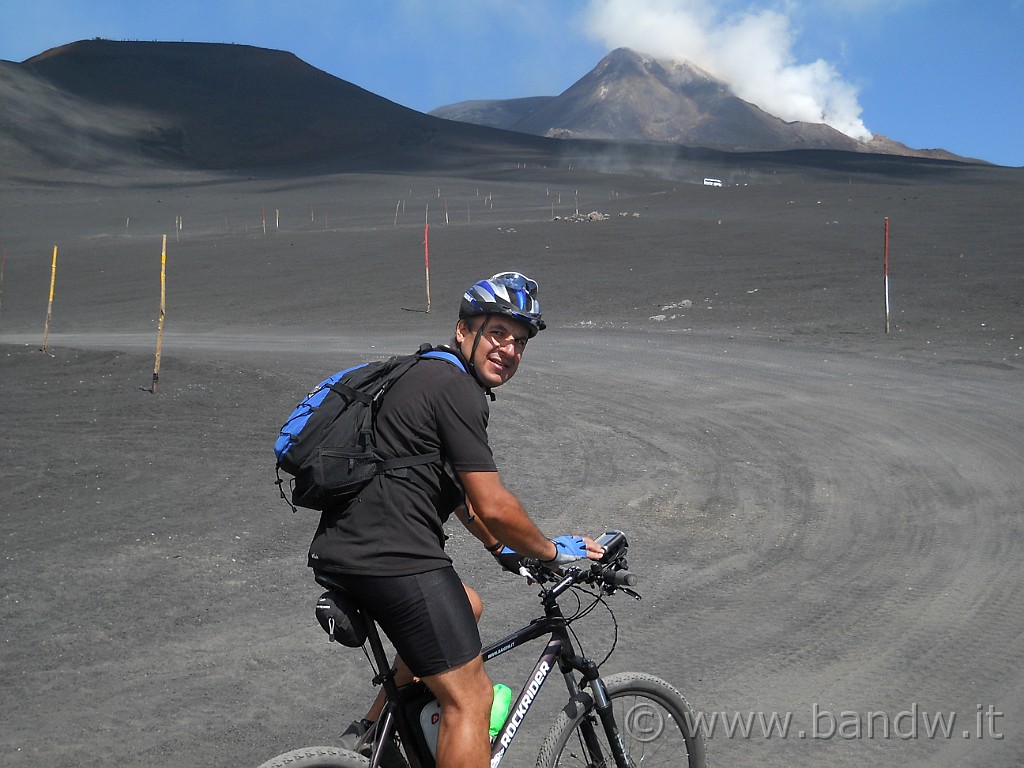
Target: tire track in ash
(810, 526)
(817, 527)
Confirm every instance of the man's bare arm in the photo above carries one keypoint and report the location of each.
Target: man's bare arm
(502, 514)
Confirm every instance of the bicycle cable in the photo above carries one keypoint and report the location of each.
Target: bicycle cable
(373, 667)
(582, 612)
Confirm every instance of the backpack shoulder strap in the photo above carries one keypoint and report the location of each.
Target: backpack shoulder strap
(425, 350)
(368, 383)
(441, 354)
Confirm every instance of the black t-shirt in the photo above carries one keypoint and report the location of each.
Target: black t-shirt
(394, 526)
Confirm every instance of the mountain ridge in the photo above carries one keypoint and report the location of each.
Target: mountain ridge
(631, 96)
(219, 106)
(99, 105)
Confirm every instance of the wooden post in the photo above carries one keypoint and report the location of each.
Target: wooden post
(163, 312)
(49, 306)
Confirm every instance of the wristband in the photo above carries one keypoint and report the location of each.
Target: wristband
(495, 547)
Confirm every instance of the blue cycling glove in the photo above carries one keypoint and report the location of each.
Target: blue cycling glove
(568, 549)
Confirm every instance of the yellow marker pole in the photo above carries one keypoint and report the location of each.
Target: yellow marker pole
(49, 306)
(163, 312)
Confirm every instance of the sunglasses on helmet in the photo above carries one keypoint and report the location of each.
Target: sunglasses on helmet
(517, 282)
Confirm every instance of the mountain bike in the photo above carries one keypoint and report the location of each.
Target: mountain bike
(626, 720)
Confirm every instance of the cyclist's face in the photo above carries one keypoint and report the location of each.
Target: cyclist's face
(501, 346)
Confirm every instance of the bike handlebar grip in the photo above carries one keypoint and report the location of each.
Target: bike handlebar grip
(624, 579)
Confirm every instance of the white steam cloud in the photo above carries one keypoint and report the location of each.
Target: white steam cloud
(751, 51)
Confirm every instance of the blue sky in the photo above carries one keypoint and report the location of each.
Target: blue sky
(928, 73)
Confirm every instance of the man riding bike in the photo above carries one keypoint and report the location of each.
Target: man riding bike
(387, 545)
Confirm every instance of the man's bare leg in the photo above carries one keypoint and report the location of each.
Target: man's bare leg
(465, 694)
(402, 674)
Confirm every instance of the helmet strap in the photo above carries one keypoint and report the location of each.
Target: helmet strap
(472, 358)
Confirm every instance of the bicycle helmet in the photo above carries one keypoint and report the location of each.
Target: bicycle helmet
(506, 293)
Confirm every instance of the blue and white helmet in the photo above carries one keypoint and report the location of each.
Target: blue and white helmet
(506, 293)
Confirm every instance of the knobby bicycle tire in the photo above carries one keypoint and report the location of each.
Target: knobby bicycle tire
(317, 757)
(656, 723)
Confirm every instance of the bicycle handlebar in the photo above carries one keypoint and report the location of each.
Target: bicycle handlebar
(624, 578)
(609, 573)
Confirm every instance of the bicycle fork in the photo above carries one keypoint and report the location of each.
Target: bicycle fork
(603, 708)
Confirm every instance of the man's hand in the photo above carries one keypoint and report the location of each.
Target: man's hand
(569, 549)
(509, 559)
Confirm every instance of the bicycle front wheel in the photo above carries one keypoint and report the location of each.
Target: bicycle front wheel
(657, 726)
(317, 757)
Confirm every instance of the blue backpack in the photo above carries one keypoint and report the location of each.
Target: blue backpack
(327, 444)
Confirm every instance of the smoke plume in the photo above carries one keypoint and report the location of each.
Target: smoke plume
(751, 51)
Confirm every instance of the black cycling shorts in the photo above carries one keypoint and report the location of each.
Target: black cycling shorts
(427, 617)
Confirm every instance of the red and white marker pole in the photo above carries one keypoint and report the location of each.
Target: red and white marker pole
(3, 263)
(426, 251)
(886, 274)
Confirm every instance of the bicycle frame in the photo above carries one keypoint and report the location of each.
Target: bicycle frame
(558, 651)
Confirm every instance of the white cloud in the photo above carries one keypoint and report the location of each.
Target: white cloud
(751, 50)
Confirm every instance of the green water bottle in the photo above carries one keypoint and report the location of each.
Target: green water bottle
(499, 708)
